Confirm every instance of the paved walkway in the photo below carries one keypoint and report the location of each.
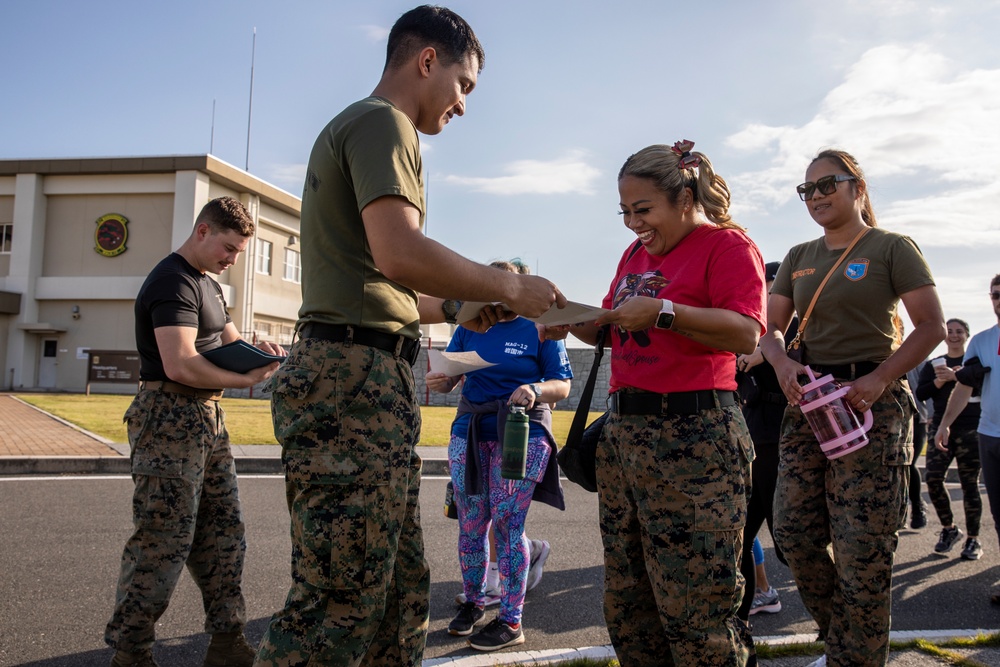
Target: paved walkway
(27, 431)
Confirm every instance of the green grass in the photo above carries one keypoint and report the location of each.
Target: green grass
(248, 420)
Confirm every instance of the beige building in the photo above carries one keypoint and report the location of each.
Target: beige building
(78, 237)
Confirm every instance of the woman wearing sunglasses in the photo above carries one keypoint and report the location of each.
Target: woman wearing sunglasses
(836, 520)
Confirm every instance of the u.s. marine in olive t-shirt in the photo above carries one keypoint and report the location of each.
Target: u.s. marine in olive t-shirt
(370, 150)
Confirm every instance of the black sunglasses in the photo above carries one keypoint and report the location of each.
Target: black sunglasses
(826, 185)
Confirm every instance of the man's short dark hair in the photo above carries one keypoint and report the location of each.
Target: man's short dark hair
(439, 27)
(225, 213)
(996, 280)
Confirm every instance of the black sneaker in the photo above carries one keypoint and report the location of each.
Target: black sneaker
(466, 619)
(972, 550)
(496, 635)
(918, 519)
(949, 538)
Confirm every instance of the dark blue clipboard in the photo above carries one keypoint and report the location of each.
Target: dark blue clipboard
(240, 357)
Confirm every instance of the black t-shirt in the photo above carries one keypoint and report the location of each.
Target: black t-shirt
(175, 294)
(968, 419)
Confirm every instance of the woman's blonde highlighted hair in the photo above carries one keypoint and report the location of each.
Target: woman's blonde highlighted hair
(662, 165)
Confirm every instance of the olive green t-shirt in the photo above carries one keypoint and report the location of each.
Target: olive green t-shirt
(369, 150)
(853, 317)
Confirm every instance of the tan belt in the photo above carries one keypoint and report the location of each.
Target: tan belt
(183, 390)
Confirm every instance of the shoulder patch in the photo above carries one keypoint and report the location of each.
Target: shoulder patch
(856, 269)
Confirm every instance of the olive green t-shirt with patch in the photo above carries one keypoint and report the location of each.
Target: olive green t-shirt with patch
(369, 150)
(853, 318)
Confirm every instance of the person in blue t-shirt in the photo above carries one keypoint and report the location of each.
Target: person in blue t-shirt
(530, 373)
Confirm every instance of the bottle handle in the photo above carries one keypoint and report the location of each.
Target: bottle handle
(868, 421)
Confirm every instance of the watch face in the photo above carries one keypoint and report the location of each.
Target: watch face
(664, 320)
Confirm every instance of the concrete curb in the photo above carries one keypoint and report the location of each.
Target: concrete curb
(551, 656)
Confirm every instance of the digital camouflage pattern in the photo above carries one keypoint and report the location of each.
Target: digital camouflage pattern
(963, 447)
(673, 496)
(859, 501)
(348, 420)
(186, 510)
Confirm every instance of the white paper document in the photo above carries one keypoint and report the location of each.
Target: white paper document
(573, 313)
(454, 364)
(470, 310)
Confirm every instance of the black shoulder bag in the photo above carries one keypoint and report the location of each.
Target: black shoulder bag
(578, 457)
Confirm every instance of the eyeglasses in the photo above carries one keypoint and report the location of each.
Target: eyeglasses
(995, 296)
(826, 185)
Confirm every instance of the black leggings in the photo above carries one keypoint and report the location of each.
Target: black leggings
(764, 475)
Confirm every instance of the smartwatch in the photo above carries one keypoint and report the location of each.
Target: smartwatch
(537, 388)
(450, 309)
(665, 319)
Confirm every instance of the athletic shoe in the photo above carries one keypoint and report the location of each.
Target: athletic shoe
(466, 619)
(818, 663)
(918, 519)
(949, 538)
(972, 550)
(496, 635)
(765, 601)
(538, 554)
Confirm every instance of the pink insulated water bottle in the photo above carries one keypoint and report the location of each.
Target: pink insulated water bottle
(833, 420)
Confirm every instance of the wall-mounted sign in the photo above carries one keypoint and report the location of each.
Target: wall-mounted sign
(111, 234)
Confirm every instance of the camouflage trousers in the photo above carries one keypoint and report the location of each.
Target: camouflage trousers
(186, 510)
(673, 495)
(837, 524)
(963, 447)
(348, 420)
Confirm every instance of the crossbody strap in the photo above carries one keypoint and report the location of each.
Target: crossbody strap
(805, 318)
(579, 424)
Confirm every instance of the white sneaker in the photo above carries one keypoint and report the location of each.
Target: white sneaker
(818, 663)
(538, 553)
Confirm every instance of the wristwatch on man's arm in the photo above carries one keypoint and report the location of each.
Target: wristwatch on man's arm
(537, 388)
(450, 309)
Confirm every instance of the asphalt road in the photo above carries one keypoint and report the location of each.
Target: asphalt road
(61, 540)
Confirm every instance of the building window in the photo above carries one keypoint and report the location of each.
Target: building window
(293, 266)
(6, 232)
(264, 257)
(262, 328)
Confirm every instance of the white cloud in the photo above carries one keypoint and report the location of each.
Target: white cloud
(565, 175)
(913, 118)
(289, 177)
(375, 33)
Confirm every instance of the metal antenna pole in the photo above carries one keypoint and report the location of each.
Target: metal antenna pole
(253, 54)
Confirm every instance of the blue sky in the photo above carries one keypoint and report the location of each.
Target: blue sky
(569, 90)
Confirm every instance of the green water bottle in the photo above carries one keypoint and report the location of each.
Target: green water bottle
(515, 444)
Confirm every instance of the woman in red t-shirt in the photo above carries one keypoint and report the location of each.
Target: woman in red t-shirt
(673, 464)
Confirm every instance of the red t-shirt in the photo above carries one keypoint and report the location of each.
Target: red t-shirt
(712, 267)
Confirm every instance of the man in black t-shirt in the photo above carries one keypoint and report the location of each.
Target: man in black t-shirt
(186, 507)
